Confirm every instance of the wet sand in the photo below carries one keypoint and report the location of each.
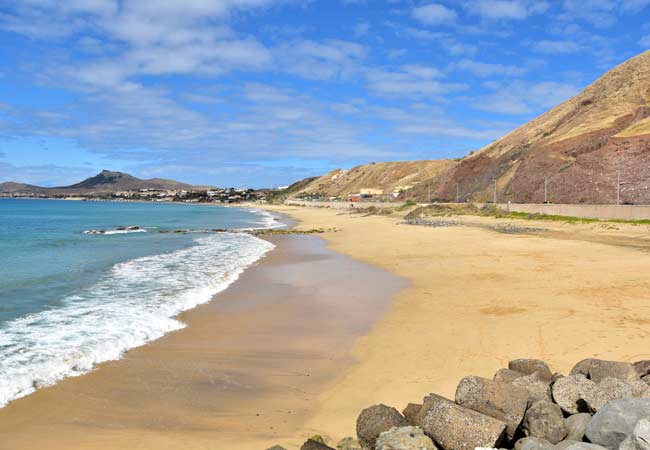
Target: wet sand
(246, 373)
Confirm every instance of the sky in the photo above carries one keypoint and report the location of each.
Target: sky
(261, 93)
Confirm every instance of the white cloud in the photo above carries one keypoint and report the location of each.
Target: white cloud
(526, 98)
(410, 80)
(482, 69)
(645, 41)
(557, 47)
(499, 9)
(434, 14)
(317, 60)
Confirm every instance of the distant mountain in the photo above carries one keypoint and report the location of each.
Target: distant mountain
(106, 181)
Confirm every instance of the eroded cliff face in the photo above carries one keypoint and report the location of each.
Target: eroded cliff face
(580, 147)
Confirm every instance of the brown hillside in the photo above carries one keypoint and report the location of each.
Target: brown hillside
(580, 146)
(387, 177)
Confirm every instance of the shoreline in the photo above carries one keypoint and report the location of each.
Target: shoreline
(208, 385)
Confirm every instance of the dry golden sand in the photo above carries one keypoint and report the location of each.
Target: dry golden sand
(479, 298)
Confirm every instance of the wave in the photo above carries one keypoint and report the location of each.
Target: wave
(136, 302)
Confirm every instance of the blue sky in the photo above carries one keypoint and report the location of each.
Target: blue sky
(264, 92)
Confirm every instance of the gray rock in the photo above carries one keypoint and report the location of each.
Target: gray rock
(616, 420)
(565, 444)
(276, 447)
(639, 439)
(544, 420)
(507, 375)
(640, 388)
(531, 366)
(646, 379)
(584, 446)
(576, 393)
(454, 427)
(598, 369)
(404, 438)
(348, 443)
(613, 388)
(576, 425)
(502, 401)
(537, 388)
(375, 420)
(533, 443)
(311, 444)
(411, 412)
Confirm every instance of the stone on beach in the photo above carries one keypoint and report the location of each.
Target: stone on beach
(537, 388)
(507, 375)
(454, 427)
(533, 443)
(348, 443)
(531, 366)
(598, 369)
(404, 438)
(374, 420)
(411, 412)
(584, 446)
(642, 367)
(576, 393)
(545, 420)
(616, 420)
(502, 401)
(639, 439)
(311, 444)
(576, 425)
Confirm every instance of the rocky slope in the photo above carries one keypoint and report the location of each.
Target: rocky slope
(105, 181)
(580, 147)
(385, 177)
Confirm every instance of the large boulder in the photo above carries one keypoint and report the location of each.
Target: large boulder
(533, 443)
(563, 445)
(404, 438)
(598, 369)
(502, 401)
(584, 446)
(575, 426)
(507, 375)
(545, 420)
(454, 427)
(642, 367)
(411, 412)
(375, 420)
(531, 366)
(613, 388)
(538, 389)
(639, 439)
(276, 447)
(312, 444)
(576, 393)
(616, 420)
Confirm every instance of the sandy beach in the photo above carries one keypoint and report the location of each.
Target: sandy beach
(479, 298)
(390, 312)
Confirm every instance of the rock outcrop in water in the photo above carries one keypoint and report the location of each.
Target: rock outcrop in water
(600, 405)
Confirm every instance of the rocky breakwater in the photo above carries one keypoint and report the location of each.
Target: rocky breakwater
(599, 405)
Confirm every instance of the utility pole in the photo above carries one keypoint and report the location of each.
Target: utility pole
(545, 190)
(495, 191)
(618, 188)
(457, 192)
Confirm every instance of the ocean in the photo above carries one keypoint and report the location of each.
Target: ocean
(70, 300)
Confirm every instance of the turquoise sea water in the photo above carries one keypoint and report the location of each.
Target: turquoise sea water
(70, 300)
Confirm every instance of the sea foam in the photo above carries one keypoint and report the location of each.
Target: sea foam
(134, 303)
